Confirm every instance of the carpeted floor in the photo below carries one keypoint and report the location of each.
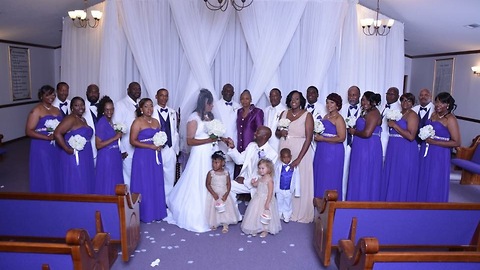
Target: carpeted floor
(174, 248)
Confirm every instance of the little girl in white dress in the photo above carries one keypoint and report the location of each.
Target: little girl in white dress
(262, 211)
(220, 206)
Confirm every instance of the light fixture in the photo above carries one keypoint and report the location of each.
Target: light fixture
(79, 17)
(223, 4)
(375, 26)
(476, 70)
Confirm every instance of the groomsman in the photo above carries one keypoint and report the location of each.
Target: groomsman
(351, 109)
(90, 114)
(125, 114)
(315, 107)
(167, 117)
(424, 110)
(392, 103)
(61, 100)
(225, 109)
(272, 114)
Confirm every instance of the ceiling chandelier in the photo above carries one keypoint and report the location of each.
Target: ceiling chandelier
(223, 4)
(79, 17)
(375, 26)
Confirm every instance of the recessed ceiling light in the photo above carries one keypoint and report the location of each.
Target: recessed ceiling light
(472, 26)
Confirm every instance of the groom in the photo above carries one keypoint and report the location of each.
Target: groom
(259, 148)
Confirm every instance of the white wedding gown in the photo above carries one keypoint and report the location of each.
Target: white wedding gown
(186, 203)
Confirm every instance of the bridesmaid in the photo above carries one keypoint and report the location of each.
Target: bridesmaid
(249, 118)
(44, 153)
(364, 176)
(109, 159)
(298, 138)
(434, 175)
(400, 170)
(330, 153)
(147, 174)
(77, 165)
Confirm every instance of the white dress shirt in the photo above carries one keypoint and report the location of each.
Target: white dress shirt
(65, 109)
(272, 115)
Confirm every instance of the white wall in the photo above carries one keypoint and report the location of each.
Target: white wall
(465, 89)
(13, 117)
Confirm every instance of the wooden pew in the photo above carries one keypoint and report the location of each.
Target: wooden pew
(367, 256)
(468, 160)
(76, 251)
(51, 215)
(431, 226)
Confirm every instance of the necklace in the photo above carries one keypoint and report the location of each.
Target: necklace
(48, 108)
(80, 117)
(441, 116)
(331, 115)
(294, 114)
(148, 121)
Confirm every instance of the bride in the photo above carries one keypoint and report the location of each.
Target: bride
(186, 203)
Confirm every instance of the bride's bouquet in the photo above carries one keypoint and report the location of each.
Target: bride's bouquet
(425, 133)
(215, 129)
(159, 139)
(350, 121)
(77, 142)
(393, 115)
(318, 126)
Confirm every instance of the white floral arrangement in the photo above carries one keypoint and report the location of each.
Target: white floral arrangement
(393, 115)
(318, 126)
(215, 128)
(350, 121)
(120, 128)
(160, 138)
(426, 132)
(77, 142)
(283, 123)
(51, 124)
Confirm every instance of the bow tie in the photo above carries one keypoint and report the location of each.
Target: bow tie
(387, 106)
(63, 104)
(310, 106)
(163, 110)
(93, 104)
(353, 107)
(136, 106)
(423, 108)
(229, 103)
(286, 167)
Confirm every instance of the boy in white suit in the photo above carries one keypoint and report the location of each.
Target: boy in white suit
(287, 184)
(167, 117)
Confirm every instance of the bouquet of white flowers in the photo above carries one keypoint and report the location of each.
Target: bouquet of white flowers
(121, 128)
(283, 123)
(159, 139)
(51, 124)
(426, 132)
(77, 142)
(318, 128)
(215, 128)
(350, 121)
(394, 115)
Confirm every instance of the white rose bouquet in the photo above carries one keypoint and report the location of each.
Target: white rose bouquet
(159, 139)
(425, 133)
(318, 126)
(77, 142)
(393, 115)
(350, 121)
(215, 129)
(120, 128)
(51, 124)
(283, 124)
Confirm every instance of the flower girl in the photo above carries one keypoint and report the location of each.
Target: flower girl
(220, 206)
(262, 211)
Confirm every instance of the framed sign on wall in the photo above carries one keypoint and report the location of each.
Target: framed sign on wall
(20, 82)
(443, 76)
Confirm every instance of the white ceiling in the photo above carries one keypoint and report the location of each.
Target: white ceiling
(431, 26)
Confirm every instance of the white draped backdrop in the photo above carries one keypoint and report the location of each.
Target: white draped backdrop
(183, 46)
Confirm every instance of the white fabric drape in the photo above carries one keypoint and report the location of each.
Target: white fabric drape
(183, 46)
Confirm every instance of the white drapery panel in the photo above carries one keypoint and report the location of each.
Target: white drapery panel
(189, 47)
(80, 55)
